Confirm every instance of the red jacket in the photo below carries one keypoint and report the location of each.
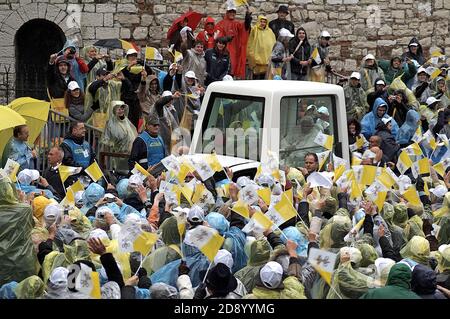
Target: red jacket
(207, 36)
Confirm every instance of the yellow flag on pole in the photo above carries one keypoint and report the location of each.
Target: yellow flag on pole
(386, 179)
(439, 168)
(324, 140)
(265, 195)
(412, 197)
(323, 262)
(153, 54)
(368, 174)
(66, 171)
(139, 169)
(379, 201)
(404, 162)
(213, 161)
(316, 56)
(207, 239)
(94, 171)
(241, 208)
(424, 166)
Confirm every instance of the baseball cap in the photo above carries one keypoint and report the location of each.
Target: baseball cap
(59, 276)
(369, 57)
(190, 74)
(231, 6)
(100, 213)
(414, 44)
(27, 176)
(380, 82)
(131, 51)
(243, 181)
(196, 214)
(102, 72)
(325, 34)
(386, 120)
(153, 119)
(283, 8)
(431, 100)
(98, 233)
(166, 93)
(135, 180)
(73, 85)
(224, 256)
(271, 274)
(422, 70)
(285, 33)
(355, 75)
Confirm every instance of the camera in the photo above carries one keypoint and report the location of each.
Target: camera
(72, 51)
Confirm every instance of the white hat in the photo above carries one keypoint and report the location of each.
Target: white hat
(133, 217)
(355, 75)
(231, 6)
(312, 106)
(115, 103)
(224, 256)
(325, 34)
(323, 110)
(442, 248)
(59, 276)
(414, 44)
(383, 265)
(285, 33)
(354, 254)
(51, 214)
(369, 57)
(196, 214)
(227, 78)
(73, 85)
(422, 70)
(79, 197)
(431, 100)
(166, 93)
(27, 176)
(131, 51)
(386, 120)
(380, 82)
(135, 180)
(185, 30)
(190, 74)
(98, 233)
(271, 274)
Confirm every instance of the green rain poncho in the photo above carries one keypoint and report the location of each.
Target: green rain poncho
(17, 257)
(417, 249)
(258, 253)
(397, 234)
(118, 137)
(368, 253)
(400, 217)
(292, 289)
(349, 283)
(30, 288)
(444, 233)
(332, 235)
(168, 253)
(414, 227)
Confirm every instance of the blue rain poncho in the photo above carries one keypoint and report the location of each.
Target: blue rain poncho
(407, 130)
(7, 290)
(293, 234)
(234, 239)
(371, 120)
(91, 196)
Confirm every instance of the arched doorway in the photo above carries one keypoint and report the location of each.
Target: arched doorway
(35, 41)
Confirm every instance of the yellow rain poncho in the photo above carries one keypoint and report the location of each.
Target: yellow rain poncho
(349, 283)
(259, 46)
(414, 228)
(417, 249)
(332, 235)
(91, 76)
(30, 288)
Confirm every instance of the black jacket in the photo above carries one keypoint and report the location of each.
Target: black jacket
(56, 84)
(443, 279)
(302, 54)
(277, 24)
(423, 283)
(54, 180)
(389, 146)
(217, 65)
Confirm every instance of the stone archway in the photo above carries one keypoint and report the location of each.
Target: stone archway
(10, 26)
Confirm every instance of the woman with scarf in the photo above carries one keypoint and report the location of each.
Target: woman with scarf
(149, 92)
(281, 58)
(119, 134)
(259, 47)
(300, 49)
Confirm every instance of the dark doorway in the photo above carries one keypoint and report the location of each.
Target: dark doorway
(35, 41)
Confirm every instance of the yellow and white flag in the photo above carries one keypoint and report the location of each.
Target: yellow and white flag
(239, 3)
(171, 163)
(386, 179)
(353, 233)
(323, 156)
(153, 54)
(424, 166)
(12, 168)
(213, 161)
(316, 56)
(414, 149)
(241, 208)
(439, 168)
(71, 191)
(202, 168)
(429, 137)
(360, 142)
(368, 175)
(443, 139)
(132, 238)
(138, 169)
(418, 136)
(177, 56)
(404, 162)
(207, 239)
(412, 196)
(262, 221)
(355, 190)
(265, 195)
(324, 140)
(94, 171)
(181, 216)
(282, 211)
(202, 196)
(88, 282)
(66, 171)
(323, 262)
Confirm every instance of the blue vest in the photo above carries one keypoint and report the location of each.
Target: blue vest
(81, 153)
(155, 148)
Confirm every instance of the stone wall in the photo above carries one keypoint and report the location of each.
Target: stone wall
(358, 27)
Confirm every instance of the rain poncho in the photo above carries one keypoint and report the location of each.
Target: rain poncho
(355, 102)
(168, 253)
(101, 64)
(18, 151)
(7, 290)
(349, 283)
(397, 235)
(414, 228)
(371, 120)
(57, 290)
(369, 75)
(18, 259)
(332, 235)
(91, 196)
(122, 188)
(30, 288)
(39, 203)
(407, 130)
(258, 253)
(75, 69)
(234, 239)
(294, 234)
(146, 97)
(368, 253)
(291, 288)
(259, 46)
(417, 249)
(118, 137)
(444, 233)
(195, 260)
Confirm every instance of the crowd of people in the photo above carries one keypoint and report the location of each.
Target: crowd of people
(385, 215)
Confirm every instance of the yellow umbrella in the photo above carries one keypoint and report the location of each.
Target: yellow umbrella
(35, 112)
(10, 118)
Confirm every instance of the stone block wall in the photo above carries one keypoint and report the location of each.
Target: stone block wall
(358, 27)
